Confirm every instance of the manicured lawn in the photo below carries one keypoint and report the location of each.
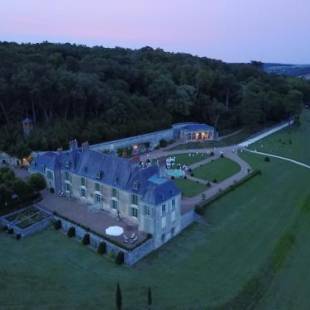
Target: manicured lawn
(189, 188)
(204, 267)
(291, 142)
(219, 169)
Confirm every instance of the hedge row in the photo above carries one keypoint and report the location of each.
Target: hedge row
(200, 208)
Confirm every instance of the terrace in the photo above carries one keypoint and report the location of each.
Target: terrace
(95, 220)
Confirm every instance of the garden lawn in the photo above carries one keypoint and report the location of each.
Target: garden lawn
(205, 266)
(189, 188)
(291, 142)
(219, 169)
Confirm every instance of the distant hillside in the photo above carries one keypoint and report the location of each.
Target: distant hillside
(99, 94)
(289, 70)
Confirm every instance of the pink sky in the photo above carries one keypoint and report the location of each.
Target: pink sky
(232, 30)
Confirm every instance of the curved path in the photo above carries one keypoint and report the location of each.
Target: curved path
(230, 152)
(189, 203)
(280, 157)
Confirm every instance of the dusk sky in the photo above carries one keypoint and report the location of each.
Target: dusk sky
(231, 30)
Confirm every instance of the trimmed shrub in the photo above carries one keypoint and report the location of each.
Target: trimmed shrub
(185, 177)
(86, 239)
(10, 231)
(37, 182)
(222, 156)
(200, 210)
(120, 258)
(102, 248)
(5, 228)
(172, 178)
(52, 191)
(212, 153)
(71, 232)
(267, 159)
(18, 237)
(214, 180)
(163, 143)
(209, 184)
(57, 224)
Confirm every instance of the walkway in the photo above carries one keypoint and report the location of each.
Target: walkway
(265, 134)
(188, 203)
(280, 157)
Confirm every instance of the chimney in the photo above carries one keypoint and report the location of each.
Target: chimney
(85, 146)
(73, 145)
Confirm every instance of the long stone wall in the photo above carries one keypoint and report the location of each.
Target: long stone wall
(153, 138)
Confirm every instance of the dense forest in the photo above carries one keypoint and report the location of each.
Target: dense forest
(98, 94)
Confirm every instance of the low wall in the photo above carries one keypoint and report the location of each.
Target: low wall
(25, 232)
(153, 138)
(187, 219)
(28, 231)
(130, 256)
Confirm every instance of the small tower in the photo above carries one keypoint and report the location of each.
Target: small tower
(27, 126)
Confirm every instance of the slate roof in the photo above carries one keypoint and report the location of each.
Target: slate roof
(110, 169)
(196, 127)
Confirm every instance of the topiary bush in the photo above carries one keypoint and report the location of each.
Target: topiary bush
(71, 232)
(163, 143)
(10, 231)
(267, 159)
(120, 258)
(86, 239)
(57, 224)
(37, 182)
(214, 180)
(18, 237)
(102, 248)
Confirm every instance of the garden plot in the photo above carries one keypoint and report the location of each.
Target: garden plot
(26, 221)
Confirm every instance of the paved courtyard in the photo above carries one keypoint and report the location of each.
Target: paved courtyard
(93, 218)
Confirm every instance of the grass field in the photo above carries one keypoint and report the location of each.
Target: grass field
(205, 267)
(219, 169)
(291, 142)
(189, 188)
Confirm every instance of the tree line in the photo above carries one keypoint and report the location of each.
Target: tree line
(98, 94)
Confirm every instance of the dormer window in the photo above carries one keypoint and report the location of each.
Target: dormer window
(135, 186)
(100, 175)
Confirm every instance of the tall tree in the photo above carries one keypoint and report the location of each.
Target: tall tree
(149, 297)
(118, 297)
